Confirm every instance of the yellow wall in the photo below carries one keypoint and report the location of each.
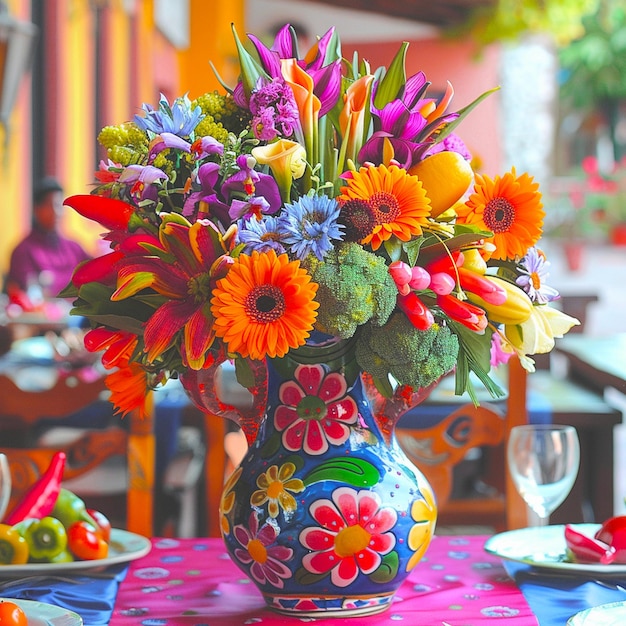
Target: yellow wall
(159, 67)
(211, 41)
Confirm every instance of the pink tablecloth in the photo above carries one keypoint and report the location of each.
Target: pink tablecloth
(193, 581)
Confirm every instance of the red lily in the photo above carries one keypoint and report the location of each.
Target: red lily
(109, 212)
(183, 268)
(118, 345)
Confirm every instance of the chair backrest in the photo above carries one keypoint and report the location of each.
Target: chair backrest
(438, 449)
(21, 409)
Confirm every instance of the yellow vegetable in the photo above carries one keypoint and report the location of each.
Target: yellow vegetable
(517, 308)
(445, 176)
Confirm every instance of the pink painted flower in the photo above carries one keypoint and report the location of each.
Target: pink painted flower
(315, 410)
(352, 536)
(267, 560)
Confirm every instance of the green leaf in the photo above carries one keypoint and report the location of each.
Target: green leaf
(353, 471)
(463, 113)
(387, 569)
(244, 373)
(394, 79)
(251, 71)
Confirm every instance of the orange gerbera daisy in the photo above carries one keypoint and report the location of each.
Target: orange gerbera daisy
(510, 207)
(397, 199)
(264, 305)
(129, 389)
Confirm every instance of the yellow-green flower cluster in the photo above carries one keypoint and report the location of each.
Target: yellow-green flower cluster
(126, 143)
(221, 113)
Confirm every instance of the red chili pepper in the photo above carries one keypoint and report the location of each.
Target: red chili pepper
(85, 542)
(588, 549)
(40, 499)
(111, 213)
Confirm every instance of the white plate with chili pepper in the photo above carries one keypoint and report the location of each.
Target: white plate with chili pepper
(43, 614)
(545, 549)
(124, 546)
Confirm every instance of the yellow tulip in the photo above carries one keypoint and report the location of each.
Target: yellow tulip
(517, 308)
(536, 335)
(286, 159)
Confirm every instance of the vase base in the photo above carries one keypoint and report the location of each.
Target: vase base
(329, 606)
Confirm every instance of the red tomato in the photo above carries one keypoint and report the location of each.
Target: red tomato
(11, 614)
(85, 542)
(104, 525)
(613, 532)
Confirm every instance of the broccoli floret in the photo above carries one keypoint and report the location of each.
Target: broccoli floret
(413, 357)
(354, 288)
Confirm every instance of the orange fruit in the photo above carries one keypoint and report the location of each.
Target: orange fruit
(11, 614)
(445, 176)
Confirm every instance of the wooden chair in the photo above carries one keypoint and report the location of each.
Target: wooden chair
(21, 409)
(437, 450)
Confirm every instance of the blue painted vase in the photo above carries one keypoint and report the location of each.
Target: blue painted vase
(326, 514)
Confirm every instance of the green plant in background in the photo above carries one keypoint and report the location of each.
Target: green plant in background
(595, 66)
(508, 20)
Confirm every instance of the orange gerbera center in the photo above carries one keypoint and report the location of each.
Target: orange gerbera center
(385, 206)
(265, 304)
(499, 215)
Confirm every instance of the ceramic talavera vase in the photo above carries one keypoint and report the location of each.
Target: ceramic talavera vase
(326, 514)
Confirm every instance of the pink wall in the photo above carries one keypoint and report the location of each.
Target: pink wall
(470, 75)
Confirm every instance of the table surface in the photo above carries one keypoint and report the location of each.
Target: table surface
(602, 359)
(193, 581)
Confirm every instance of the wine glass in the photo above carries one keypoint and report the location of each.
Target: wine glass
(5, 484)
(543, 460)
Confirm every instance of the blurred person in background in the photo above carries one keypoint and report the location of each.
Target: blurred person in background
(42, 263)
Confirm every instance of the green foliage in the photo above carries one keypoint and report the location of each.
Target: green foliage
(507, 20)
(354, 288)
(413, 357)
(221, 116)
(595, 64)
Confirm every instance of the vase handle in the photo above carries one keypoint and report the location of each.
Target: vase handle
(387, 411)
(205, 389)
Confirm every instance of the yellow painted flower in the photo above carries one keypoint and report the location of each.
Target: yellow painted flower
(424, 513)
(286, 159)
(228, 500)
(510, 207)
(398, 200)
(264, 306)
(274, 487)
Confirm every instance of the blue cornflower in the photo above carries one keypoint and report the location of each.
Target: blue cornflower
(262, 235)
(534, 268)
(179, 119)
(309, 225)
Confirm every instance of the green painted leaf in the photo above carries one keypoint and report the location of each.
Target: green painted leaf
(388, 568)
(353, 471)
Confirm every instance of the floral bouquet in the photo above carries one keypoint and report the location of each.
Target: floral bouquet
(314, 195)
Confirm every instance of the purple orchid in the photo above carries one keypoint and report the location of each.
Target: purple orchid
(143, 178)
(247, 183)
(402, 122)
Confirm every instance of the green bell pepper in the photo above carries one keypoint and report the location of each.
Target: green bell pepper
(69, 508)
(13, 547)
(46, 539)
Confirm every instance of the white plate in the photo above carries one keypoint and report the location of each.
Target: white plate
(42, 614)
(124, 546)
(612, 614)
(545, 547)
